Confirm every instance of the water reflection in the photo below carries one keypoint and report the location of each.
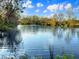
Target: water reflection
(40, 42)
(62, 41)
(9, 42)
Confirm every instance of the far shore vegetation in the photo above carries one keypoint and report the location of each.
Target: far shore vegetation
(54, 21)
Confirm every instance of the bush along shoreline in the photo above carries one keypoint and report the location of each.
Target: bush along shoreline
(53, 22)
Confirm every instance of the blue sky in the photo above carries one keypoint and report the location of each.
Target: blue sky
(49, 7)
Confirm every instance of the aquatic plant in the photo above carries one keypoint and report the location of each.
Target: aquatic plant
(64, 57)
(57, 57)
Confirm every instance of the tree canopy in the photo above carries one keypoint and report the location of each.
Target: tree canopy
(9, 13)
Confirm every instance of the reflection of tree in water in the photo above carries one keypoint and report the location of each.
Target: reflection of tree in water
(73, 31)
(29, 28)
(2, 38)
(59, 33)
(34, 28)
(66, 34)
(77, 32)
(69, 34)
(54, 31)
(51, 51)
(10, 40)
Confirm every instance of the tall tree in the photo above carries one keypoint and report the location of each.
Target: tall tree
(11, 10)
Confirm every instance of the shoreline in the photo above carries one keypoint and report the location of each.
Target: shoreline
(53, 23)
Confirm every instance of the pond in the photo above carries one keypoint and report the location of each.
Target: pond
(40, 42)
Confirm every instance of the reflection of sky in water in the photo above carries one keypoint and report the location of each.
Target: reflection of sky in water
(36, 40)
(62, 41)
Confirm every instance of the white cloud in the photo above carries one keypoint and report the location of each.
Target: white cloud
(44, 11)
(56, 7)
(28, 4)
(37, 10)
(68, 6)
(40, 5)
(53, 7)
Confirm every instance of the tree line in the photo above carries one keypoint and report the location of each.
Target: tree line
(55, 20)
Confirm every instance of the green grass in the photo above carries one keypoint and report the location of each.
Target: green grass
(6, 26)
(65, 57)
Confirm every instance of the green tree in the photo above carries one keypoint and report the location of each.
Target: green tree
(10, 10)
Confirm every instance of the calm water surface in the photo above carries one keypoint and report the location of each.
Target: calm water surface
(37, 42)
